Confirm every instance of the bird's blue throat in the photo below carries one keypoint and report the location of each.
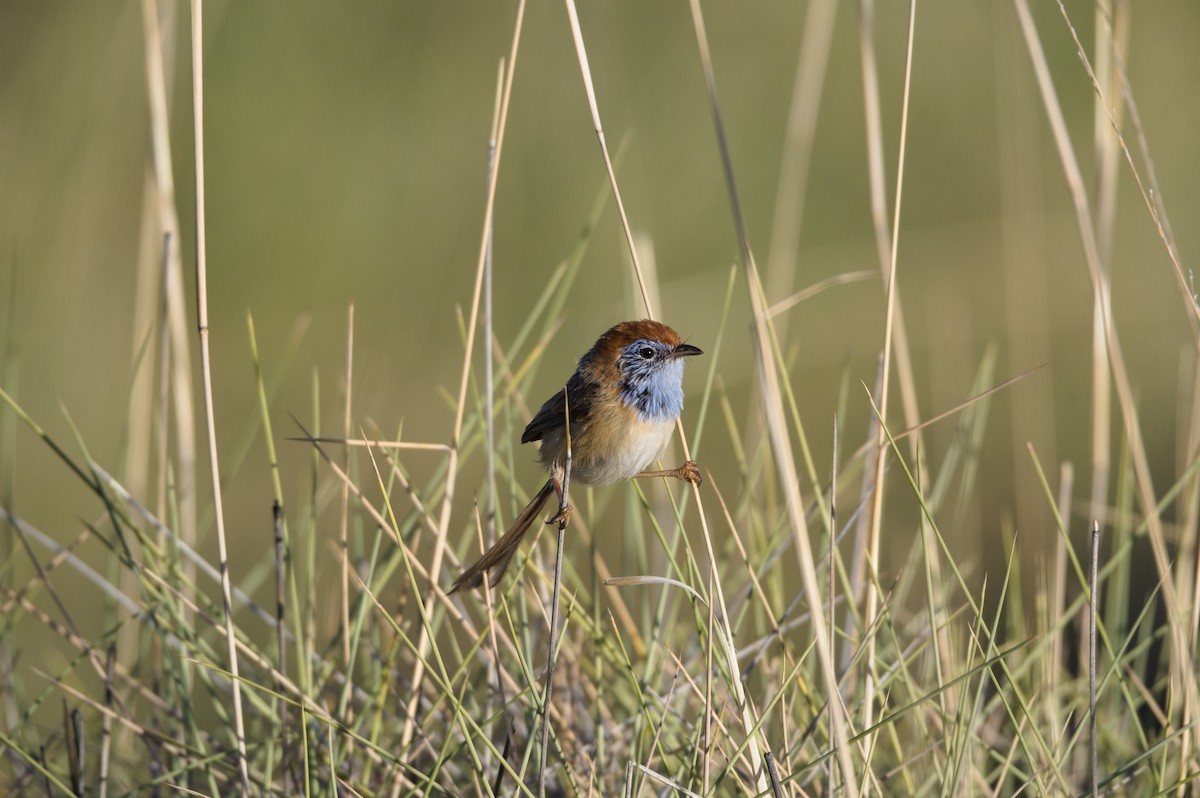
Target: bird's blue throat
(651, 380)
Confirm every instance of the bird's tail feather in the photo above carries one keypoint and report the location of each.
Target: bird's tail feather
(495, 560)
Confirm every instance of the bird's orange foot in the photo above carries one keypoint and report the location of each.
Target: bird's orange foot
(691, 472)
(563, 516)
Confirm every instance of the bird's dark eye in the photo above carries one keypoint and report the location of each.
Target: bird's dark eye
(646, 352)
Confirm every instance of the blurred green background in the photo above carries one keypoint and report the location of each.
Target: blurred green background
(346, 149)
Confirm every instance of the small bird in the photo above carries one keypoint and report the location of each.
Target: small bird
(622, 400)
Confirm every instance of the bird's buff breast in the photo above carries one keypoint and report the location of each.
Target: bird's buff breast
(603, 453)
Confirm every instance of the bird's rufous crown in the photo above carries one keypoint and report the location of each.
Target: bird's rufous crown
(622, 335)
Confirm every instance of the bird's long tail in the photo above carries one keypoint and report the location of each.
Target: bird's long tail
(495, 560)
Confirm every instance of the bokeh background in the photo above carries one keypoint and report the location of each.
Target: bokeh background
(346, 148)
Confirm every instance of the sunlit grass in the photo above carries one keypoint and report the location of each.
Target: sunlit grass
(687, 659)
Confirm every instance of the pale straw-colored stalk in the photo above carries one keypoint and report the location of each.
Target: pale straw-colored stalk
(736, 683)
(439, 549)
(206, 374)
(876, 513)
(1182, 663)
(781, 446)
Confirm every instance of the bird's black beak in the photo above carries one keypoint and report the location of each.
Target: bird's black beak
(685, 350)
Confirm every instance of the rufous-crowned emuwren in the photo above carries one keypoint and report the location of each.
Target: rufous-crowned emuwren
(622, 401)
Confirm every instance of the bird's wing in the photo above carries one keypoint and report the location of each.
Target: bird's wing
(580, 391)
